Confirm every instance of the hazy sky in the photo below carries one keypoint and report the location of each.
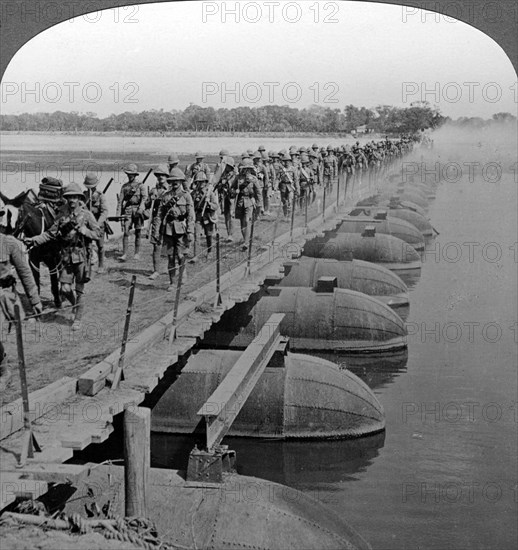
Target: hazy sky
(296, 53)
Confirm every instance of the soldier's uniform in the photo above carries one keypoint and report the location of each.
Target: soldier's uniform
(176, 227)
(95, 201)
(263, 180)
(153, 204)
(73, 229)
(12, 258)
(315, 166)
(131, 203)
(198, 166)
(288, 184)
(227, 195)
(306, 181)
(206, 207)
(249, 198)
(329, 168)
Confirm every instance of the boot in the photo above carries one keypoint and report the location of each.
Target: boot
(209, 244)
(124, 249)
(100, 265)
(137, 249)
(78, 311)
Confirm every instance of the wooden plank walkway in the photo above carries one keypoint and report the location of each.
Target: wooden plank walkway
(72, 413)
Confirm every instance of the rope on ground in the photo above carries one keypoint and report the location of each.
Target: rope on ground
(138, 531)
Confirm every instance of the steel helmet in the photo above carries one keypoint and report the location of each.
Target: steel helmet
(329, 147)
(73, 189)
(261, 148)
(229, 161)
(176, 175)
(245, 155)
(198, 155)
(285, 156)
(314, 146)
(173, 158)
(224, 153)
(257, 155)
(131, 169)
(247, 164)
(161, 170)
(91, 180)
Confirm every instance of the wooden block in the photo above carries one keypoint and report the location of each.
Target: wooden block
(75, 440)
(181, 346)
(41, 402)
(94, 379)
(52, 473)
(102, 435)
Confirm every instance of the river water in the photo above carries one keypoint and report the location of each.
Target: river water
(443, 475)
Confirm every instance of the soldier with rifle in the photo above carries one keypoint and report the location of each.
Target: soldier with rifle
(306, 181)
(175, 223)
(315, 166)
(249, 198)
(263, 180)
(206, 205)
(288, 184)
(95, 201)
(131, 205)
(227, 194)
(198, 166)
(153, 205)
(74, 229)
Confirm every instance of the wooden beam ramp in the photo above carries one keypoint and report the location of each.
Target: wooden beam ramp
(71, 413)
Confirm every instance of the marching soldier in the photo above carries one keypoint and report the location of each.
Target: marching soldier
(95, 201)
(172, 161)
(249, 198)
(131, 203)
(288, 184)
(198, 166)
(227, 194)
(205, 201)
(74, 229)
(175, 225)
(244, 156)
(12, 258)
(307, 181)
(153, 204)
(315, 166)
(264, 181)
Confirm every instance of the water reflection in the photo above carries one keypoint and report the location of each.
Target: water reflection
(292, 463)
(376, 370)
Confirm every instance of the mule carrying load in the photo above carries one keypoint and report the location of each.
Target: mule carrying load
(36, 214)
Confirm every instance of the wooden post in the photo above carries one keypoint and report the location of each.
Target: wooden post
(29, 443)
(292, 223)
(137, 445)
(172, 334)
(306, 213)
(218, 300)
(324, 205)
(118, 373)
(250, 242)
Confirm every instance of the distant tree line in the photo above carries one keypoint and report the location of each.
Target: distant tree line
(269, 118)
(478, 123)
